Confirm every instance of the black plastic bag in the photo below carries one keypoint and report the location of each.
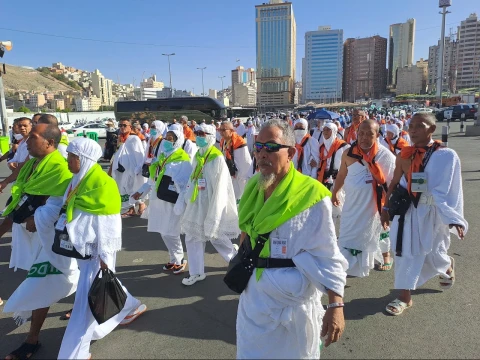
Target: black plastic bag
(106, 297)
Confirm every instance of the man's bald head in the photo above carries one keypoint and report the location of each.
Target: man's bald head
(48, 119)
(372, 124)
(227, 125)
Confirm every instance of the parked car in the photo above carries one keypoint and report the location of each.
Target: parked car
(424, 110)
(99, 128)
(65, 125)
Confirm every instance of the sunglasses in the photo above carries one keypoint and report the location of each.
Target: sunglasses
(123, 125)
(269, 147)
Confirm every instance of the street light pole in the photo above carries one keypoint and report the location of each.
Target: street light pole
(443, 4)
(203, 87)
(170, 72)
(221, 78)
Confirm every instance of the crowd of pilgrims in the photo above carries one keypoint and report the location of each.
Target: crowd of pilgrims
(193, 179)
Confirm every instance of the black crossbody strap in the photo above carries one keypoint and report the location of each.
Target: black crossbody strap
(426, 159)
(259, 244)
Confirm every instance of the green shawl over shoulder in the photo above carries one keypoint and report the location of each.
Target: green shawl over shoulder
(177, 156)
(97, 194)
(50, 178)
(294, 194)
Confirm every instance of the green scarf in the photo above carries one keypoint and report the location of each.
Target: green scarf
(51, 178)
(294, 194)
(208, 156)
(64, 139)
(176, 156)
(97, 194)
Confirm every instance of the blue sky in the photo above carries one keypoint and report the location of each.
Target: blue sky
(211, 33)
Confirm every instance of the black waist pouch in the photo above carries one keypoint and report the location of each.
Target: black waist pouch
(61, 242)
(26, 207)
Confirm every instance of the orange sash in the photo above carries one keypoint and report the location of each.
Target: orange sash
(352, 133)
(235, 143)
(401, 143)
(151, 148)
(188, 133)
(379, 181)
(416, 155)
(299, 148)
(324, 158)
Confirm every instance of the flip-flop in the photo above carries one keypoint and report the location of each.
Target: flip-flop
(132, 317)
(386, 266)
(450, 281)
(398, 305)
(24, 350)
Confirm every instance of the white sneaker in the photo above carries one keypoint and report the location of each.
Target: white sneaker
(192, 279)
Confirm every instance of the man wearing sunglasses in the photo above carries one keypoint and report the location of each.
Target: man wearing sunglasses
(237, 157)
(307, 157)
(299, 261)
(211, 210)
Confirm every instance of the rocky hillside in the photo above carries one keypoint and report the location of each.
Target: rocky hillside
(27, 79)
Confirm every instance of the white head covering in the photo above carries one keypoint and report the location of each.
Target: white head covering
(393, 129)
(177, 129)
(145, 126)
(300, 134)
(160, 127)
(334, 128)
(399, 123)
(211, 135)
(89, 152)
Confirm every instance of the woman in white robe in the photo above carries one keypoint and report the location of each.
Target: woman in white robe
(164, 217)
(99, 236)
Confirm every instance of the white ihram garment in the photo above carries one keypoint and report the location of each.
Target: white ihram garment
(130, 155)
(211, 217)
(164, 217)
(360, 225)
(310, 151)
(251, 133)
(51, 277)
(190, 148)
(82, 327)
(21, 154)
(426, 235)
(243, 160)
(280, 316)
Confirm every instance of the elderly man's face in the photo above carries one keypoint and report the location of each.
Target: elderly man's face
(275, 163)
(358, 116)
(367, 135)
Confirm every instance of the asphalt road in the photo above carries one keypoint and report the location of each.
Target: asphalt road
(199, 321)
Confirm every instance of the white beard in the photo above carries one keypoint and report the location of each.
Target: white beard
(265, 181)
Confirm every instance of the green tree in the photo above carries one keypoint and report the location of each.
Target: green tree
(66, 110)
(23, 109)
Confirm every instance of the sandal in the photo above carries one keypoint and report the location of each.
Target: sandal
(67, 315)
(447, 283)
(25, 351)
(141, 209)
(386, 266)
(398, 305)
(129, 213)
(133, 316)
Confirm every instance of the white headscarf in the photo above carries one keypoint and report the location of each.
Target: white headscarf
(399, 123)
(393, 129)
(328, 142)
(89, 152)
(211, 136)
(177, 129)
(160, 126)
(300, 134)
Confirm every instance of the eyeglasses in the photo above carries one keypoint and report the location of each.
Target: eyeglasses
(123, 125)
(270, 147)
(223, 129)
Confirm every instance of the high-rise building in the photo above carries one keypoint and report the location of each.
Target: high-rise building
(323, 65)
(412, 79)
(364, 68)
(102, 88)
(240, 75)
(244, 94)
(401, 48)
(449, 65)
(276, 53)
(468, 53)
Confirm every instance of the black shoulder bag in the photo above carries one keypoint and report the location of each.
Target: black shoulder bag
(232, 168)
(26, 207)
(61, 242)
(166, 190)
(241, 267)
